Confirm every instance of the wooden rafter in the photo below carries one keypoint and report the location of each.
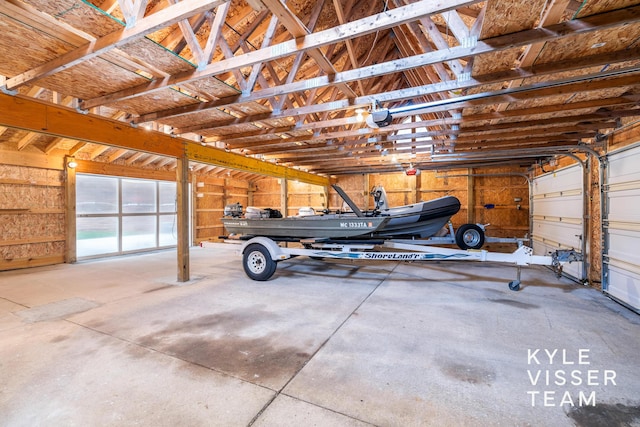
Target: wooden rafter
(552, 15)
(340, 13)
(490, 45)
(148, 25)
(311, 41)
(133, 10)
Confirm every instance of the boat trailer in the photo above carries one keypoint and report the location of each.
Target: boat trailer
(260, 255)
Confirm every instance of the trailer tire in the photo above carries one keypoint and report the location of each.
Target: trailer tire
(470, 236)
(257, 262)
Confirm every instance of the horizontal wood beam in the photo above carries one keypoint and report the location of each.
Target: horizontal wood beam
(38, 116)
(203, 154)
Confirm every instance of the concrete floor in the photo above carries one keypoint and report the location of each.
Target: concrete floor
(119, 342)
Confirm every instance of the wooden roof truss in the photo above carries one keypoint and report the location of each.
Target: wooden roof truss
(292, 82)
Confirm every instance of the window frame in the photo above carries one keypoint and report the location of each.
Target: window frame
(119, 215)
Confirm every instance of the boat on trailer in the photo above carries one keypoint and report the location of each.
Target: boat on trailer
(418, 220)
(350, 236)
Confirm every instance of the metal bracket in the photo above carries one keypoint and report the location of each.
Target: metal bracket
(561, 256)
(6, 91)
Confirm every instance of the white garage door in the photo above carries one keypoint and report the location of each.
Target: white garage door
(621, 258)
(557, 211)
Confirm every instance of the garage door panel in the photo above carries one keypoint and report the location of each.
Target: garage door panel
(561, 181)
(624, 167)
(623, 248)
(569, 207)
(624, 285)
(624, 205)
(621, 261)
(563, 235)
(557, 208)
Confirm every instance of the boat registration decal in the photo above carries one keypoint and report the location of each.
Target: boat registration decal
(356, 224)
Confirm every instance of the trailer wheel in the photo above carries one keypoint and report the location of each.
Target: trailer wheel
(470, 236)
(257, 262)
(514, 285)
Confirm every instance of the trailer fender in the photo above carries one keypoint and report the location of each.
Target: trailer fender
(276, 252)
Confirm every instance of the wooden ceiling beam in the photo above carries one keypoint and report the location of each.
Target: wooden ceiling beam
(266, 41)
(55, 142)
(316, 40)
(117, 154)
(340, 13)
(215, 34)
(175, 40)
(148, 25)
(131, 160)
(455, 84)
(27, 140)
(298, 29)
(552, 88)
(485, 46)
(132, 10)
(42, 117)
(552, 15)
(578, 122)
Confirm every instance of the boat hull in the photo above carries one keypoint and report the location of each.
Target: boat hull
(423, 219)
(318, 226)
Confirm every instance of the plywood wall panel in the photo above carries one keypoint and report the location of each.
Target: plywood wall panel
(355, 186)
(32, 218)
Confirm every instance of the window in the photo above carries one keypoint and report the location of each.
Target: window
(123, 215)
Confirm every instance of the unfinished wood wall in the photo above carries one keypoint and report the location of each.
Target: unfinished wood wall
(502, 201)
(301, 195)
(267, 193)
(211, 195)
(433, 184)
(32, 215)
(492, 198)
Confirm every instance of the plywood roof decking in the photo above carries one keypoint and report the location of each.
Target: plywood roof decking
(286, 107)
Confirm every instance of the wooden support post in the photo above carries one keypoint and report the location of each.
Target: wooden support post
(413, 185)
(471, 196)
(193, 238)
(284, 195)
(182, 190)
(250, 193)
(70, 253)
(418, 190)
(367, 187)
(325, 194)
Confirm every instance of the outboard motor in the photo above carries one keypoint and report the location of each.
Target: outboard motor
(233, 210)
(379, 197)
